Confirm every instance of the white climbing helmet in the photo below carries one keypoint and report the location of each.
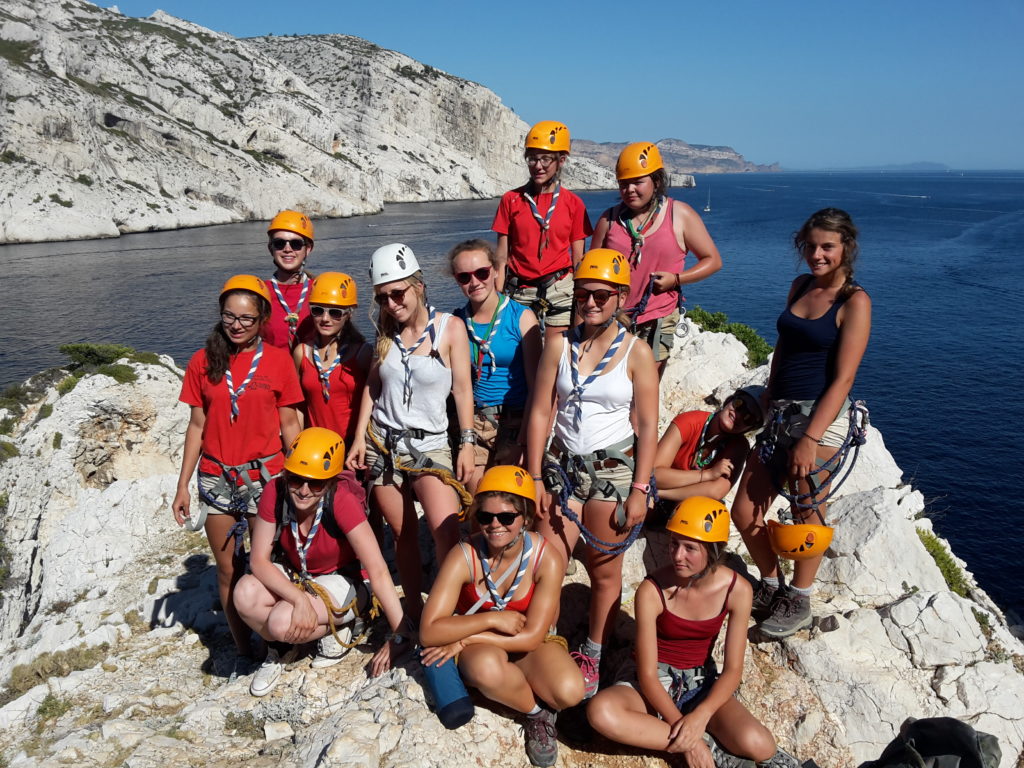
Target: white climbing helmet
(392, 262)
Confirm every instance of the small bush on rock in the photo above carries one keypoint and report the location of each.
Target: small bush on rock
(24, 677)
(717, 322)
(951, 572)
(95, 354)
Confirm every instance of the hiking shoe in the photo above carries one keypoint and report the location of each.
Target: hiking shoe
(269, 672)
(764, 594)
(724, 759)
(540, 733)
(589, 667)
(781, 759)
(791, 612)
(329, 651)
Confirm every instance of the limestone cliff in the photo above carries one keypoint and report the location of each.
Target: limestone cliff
(680, 158)
(114, 124)
(95, 562)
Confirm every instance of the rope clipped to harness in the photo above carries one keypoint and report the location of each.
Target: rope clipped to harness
(423, 466)
(566, 487)
(773, 457)
(320, 591)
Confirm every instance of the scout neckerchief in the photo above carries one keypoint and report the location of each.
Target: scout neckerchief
(576, 395)
(325, 375)
(483, 346)
(545, 220)
(500, 601)
(303, 548)
(704, 443)
(408, 352)
(637, 234)
(234, 395)
(290, 317)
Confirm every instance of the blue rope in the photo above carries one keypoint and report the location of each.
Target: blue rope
(238, 533)
(604, 547)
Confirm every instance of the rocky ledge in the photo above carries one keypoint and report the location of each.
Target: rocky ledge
(114, 651)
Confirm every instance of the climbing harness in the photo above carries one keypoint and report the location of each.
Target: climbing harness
(688, 683)
(481, 347)
(325, 375)
(232, 392)
(291, 316)
(387, 447)
(637, 235)
(540, 305)
(576, 395)
(545, 220)
(228, 484)
(406, 353)
(775, 442)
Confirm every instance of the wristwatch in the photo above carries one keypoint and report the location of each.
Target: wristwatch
(643, 487)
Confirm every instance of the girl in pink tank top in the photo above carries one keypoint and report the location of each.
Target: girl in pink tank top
(656, 232)
(680, 609)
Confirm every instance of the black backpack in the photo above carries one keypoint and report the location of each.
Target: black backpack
(939, 742)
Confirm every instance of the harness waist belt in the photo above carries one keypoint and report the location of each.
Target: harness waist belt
(598, 459)
(544, 281)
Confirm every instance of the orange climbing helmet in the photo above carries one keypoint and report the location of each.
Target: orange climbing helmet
(507, 479)
(603, 264)
(246, 283)
(335, 289)
(292, 221)
(800, 541)
(639, 159)
(550, 135)
(700, 518)
(316, 453)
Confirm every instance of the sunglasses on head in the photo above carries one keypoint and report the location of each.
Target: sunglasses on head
(333, 312)
(295, 482)
(481, 274)
(505, 518)
(279, 243)
(600, 296)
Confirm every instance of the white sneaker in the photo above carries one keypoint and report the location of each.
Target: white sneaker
(329, 651)
(265, 678)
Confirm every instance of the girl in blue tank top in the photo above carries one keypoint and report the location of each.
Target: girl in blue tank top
(823, 333)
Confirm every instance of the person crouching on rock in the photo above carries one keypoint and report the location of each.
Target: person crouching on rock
(243, 394)
(823, 333)
(702, 453)
(671, 692)
(308, 542)
(290, 242)
(593, 382)
(491, 606)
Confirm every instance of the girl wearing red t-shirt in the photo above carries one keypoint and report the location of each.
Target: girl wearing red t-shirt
(541, 230)
(243, 394)
(333, 368)
(672, 692)
(290, 242)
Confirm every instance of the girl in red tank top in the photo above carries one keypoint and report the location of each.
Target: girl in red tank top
(680, 609)
(492, 605)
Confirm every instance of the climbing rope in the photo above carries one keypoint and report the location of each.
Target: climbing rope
(565, 492)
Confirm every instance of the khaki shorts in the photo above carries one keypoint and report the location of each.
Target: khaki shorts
(558, 295)
(207, 482)
(796, 424)
(340, 589)
(620, 476)
(497, 446)
(627, 675)
(442, 458)
(660, 334)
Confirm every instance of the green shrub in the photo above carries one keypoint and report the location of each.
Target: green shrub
(67, 384)
(52, 707)
(8, 451)
(717, 322)
(56, 664)
(55, 198)
(119, 372)
(45, 411)
(7, 424)
(58, 438)
(955, 579)
(95, 354)
(244, 724)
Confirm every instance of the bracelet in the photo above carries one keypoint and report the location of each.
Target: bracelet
(679, 280)
(643, 487)
(537, 477)
(467, 436)
(818, 441)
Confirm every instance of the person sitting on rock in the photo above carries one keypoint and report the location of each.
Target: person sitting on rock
(702, 453)
(244, 396)
(670, 693)
(542, 229)
(290, 242)
(492, 604)
(309, 540)
(823, 333)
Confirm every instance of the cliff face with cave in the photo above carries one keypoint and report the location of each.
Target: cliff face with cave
(110, 610)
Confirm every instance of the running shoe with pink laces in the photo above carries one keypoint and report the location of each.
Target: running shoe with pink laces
(589, 667)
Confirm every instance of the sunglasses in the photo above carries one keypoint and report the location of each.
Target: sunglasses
(295, 482)
(396, 296)
(246, 321)
(481, 274)
(599, 296)
(333, 312)
(505, 518)
(743, 410)
(279, 243)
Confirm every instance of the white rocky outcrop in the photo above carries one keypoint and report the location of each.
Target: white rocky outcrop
(116, 124)
(95, 559)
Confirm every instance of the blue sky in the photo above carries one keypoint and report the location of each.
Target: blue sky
(805, 84)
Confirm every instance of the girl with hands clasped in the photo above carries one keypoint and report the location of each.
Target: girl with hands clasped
(673, 693)
(492, 604)
(309, 540)
(592, 382)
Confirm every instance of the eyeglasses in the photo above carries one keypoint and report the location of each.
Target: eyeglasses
(396, 296)
(333, 312)
(279, 243)
(229, 319)
(542, 160)
(295, 482)
(481, 274)
(505, 518)
(599, 296)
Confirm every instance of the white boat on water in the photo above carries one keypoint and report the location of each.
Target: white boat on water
(707, 205)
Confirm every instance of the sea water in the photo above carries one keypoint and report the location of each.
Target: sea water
(939, 257)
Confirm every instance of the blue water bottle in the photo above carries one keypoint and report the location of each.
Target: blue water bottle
(451, 699)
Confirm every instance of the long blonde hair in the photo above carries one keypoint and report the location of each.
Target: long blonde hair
(385, 322)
